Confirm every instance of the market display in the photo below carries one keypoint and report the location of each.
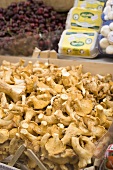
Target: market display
(56, 117)
(57, 112)
(84, 17)
(29, 24)
(84, 20)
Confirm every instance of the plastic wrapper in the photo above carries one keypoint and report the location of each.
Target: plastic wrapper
(80, 43)
(102, 51)
(107, 162)
(98, 4)
(23, 45)
(102, 150)
(109, 38)
(107, 12)
(83, 18)
(105, 38)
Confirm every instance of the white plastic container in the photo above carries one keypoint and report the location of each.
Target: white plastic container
(78, 43)
(81, 18)
(90, 4)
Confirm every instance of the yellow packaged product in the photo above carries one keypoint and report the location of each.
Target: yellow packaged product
(80, 18)
(78, 43)
(90, 4)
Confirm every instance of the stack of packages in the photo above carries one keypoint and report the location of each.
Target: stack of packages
(106, 32)
(82, 28)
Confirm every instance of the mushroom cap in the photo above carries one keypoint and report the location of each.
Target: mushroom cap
(39, 104)
(104, 43)
(64, 96)
(110, 37)
(54, 145)
(109, 49)
(105, 30)
(110, 15)
(83, 107)
(4, 135)
(111, 26)
(107, 9)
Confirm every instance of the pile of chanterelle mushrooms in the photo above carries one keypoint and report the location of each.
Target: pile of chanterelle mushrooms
(58, 112)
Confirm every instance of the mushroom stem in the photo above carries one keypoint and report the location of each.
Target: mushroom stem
(9, 117)
(16, 107)
(29, 114)
(15, 94)
(5, 122)
(65, 120)
(28, 135)
(44, 140)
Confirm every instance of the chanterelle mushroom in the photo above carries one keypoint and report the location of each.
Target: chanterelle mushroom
(65, 120)
(54, 145)
(4, 135)
(81, 87)
(83, 107)
(38, 103)
(44, 140)
(58, 112)
(84, 154)
(71, 131)
(14, 91)
(108, 103)
(68, 156)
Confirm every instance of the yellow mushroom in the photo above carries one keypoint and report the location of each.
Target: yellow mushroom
(65, 120)
(83, 107)
(39, 103)
(13, 91)
(71, 131)
(4, 135)
(54, 145)
(83, 153)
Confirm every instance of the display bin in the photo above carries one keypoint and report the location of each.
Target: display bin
(95, 66)
(91, 66)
